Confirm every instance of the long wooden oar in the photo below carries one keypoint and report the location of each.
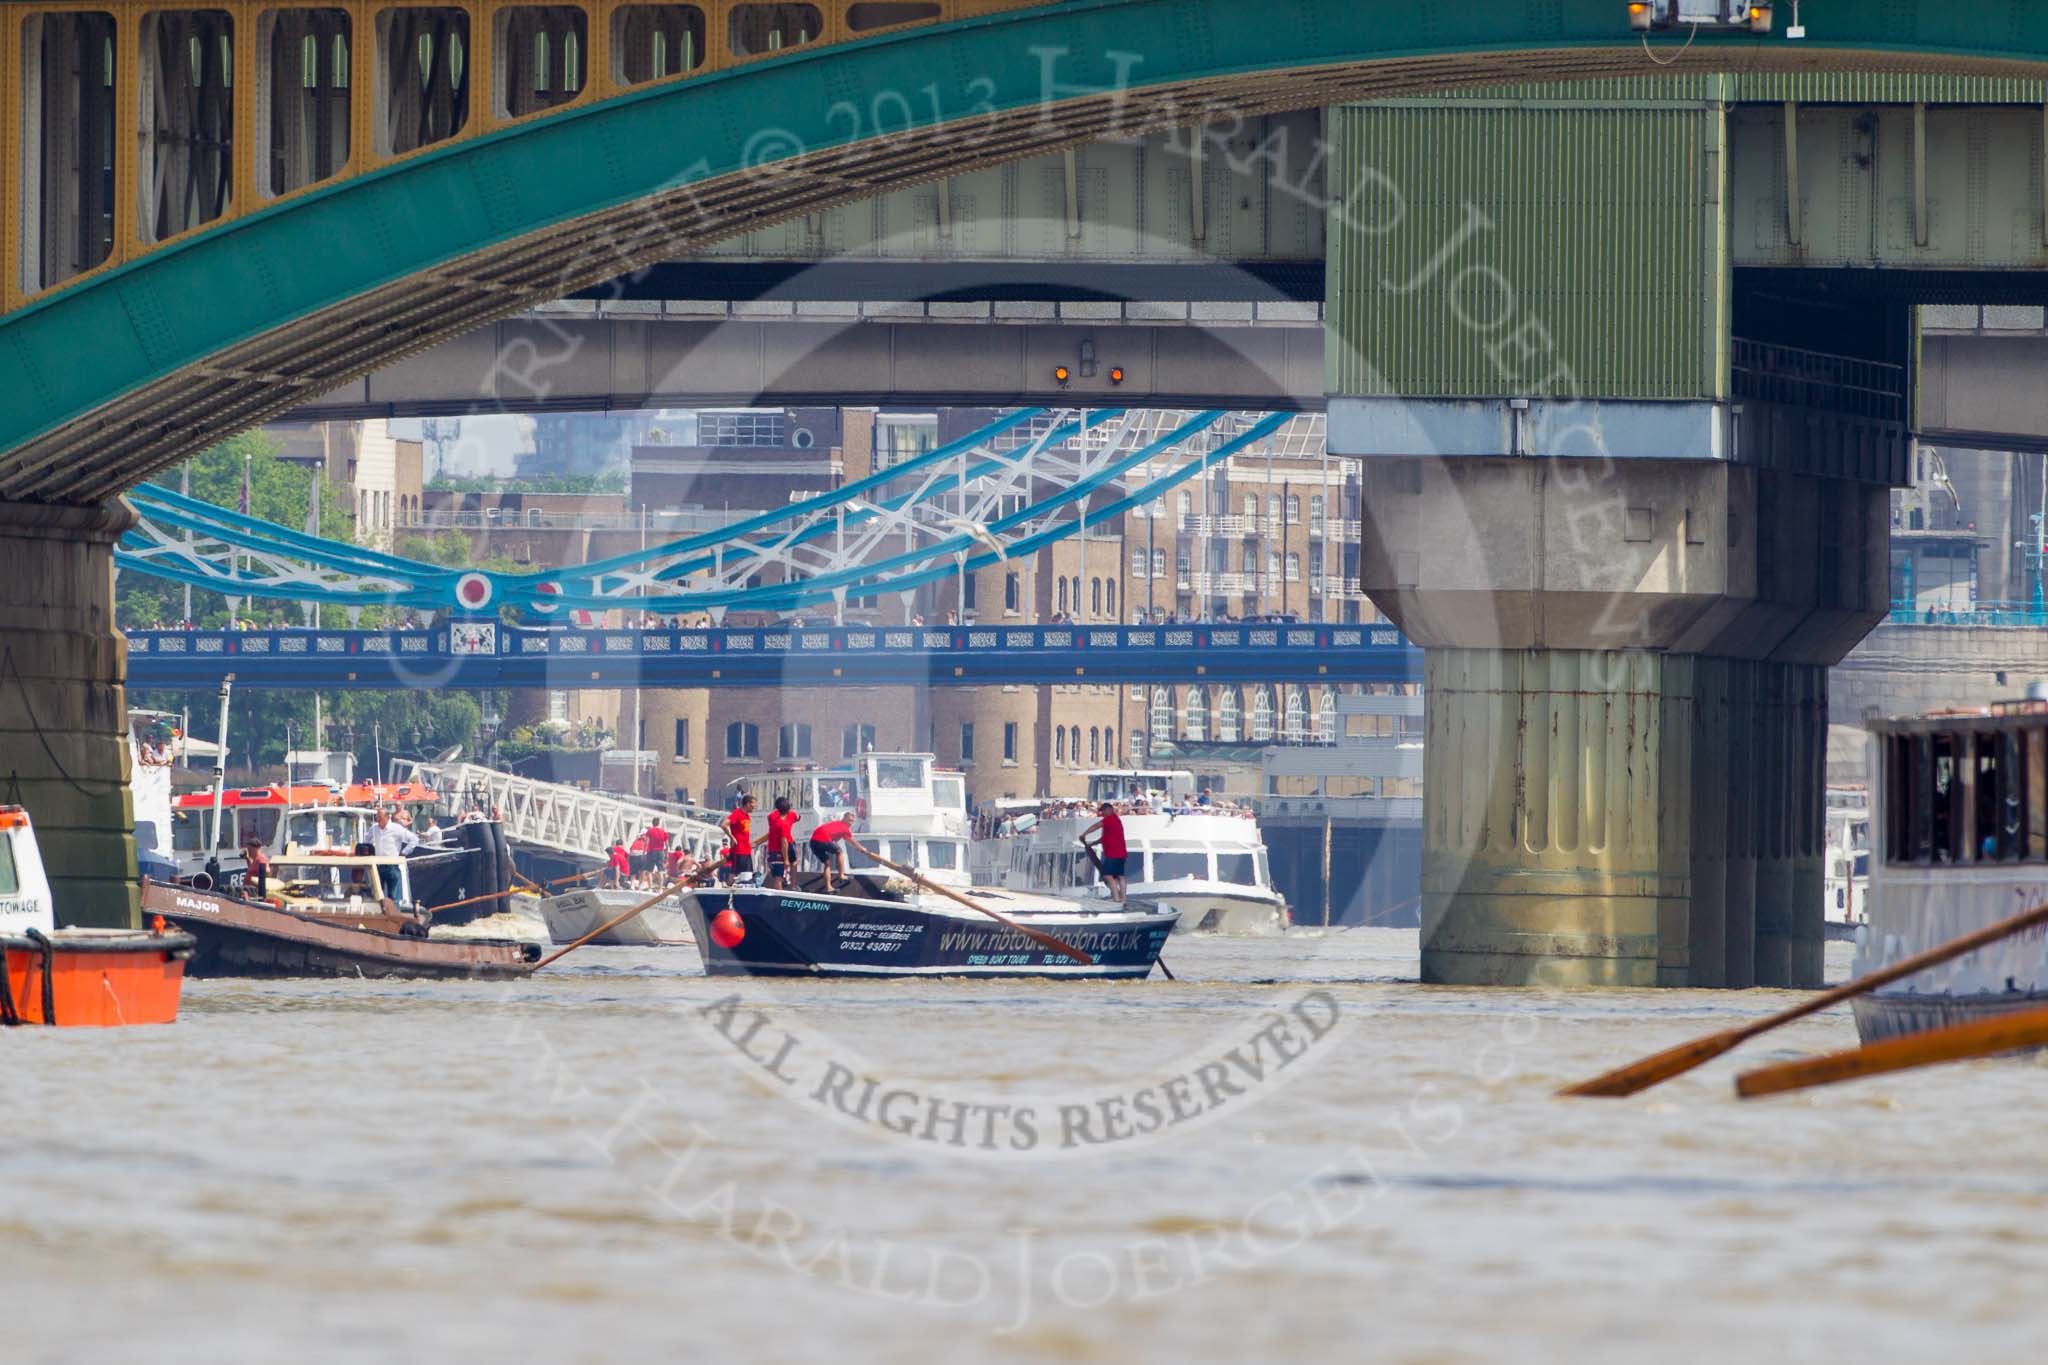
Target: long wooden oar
(1956, 1043)
(1637, 1076)
(1044, 940)
(490, 896)
(609, 924)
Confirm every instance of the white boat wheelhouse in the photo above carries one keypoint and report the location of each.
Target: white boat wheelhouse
(901, 805)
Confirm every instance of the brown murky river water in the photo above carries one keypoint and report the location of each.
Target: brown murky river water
(1294, 1153)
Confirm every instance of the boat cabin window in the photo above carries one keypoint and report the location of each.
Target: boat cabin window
(897, 774)
(949, 793)
(1110, 787)
(1170, 867)
(903, 851)
(1239, 869)
(1966, 796)
(332, 882)
(943, 855)
(260, 825)
(10, 880)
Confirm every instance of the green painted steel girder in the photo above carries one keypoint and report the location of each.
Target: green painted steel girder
(129, 370)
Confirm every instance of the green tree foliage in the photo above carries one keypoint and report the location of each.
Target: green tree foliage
(279, 491)
(264, 723)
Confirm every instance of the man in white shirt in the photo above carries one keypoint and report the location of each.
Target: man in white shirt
(391, 840)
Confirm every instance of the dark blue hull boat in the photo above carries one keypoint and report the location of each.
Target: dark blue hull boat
(795, 933)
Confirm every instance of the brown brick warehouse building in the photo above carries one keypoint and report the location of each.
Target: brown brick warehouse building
(1271, 531)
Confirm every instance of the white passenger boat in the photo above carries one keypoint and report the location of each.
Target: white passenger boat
(1847, 874)
(1206, 863)
(1961, 825)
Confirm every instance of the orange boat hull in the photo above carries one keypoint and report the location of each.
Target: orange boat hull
(107, 984)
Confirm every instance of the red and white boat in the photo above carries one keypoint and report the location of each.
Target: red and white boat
(75, 976)
(285, 818)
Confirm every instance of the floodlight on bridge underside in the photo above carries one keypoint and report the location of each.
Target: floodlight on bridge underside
(1644, 15)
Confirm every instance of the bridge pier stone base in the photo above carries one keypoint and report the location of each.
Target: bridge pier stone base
(63, 753)
(1626, 700)
(1621, 819)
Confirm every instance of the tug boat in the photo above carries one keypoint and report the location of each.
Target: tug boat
(884, 924)
(75, 977)
(1960, 840)
(1205, 862)
(330, 913)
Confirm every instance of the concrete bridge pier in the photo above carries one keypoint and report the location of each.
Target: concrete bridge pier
(1626, 693)
(63, 711)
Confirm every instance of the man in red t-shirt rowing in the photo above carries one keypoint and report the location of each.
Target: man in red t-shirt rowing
(1111, 842)
(739, 827)
(781, 842)
(828, 846)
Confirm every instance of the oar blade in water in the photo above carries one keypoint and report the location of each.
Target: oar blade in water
(1654, 1070)
(1957, 1043)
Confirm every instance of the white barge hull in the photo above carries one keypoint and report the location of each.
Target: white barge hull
(575, 913)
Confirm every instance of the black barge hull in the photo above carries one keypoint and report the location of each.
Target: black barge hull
(792, 934)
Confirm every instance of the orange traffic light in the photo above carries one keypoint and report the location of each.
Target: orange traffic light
(1116, 374)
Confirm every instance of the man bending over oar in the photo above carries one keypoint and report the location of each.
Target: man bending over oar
(1114, 852)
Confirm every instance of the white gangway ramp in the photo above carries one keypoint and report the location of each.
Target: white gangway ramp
(559, 818)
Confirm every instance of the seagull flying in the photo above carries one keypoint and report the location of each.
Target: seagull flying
(978, 530)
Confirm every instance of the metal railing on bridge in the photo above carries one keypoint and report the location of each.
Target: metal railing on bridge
(559, 818)
(490, 654)
(1817, 379)
(2003, 614)
(684, 522)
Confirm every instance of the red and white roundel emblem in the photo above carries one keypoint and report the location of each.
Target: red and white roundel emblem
(473, 591)
(540, 595)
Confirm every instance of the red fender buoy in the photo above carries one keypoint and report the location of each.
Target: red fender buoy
(727, 928)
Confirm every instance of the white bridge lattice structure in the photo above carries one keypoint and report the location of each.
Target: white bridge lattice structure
(1036, 476)
(560, 819)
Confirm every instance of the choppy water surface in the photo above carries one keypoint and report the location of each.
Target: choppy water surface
(583, 1167)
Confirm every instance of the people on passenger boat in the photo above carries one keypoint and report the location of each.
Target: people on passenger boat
(618, 868)
(828, 847)
(1109, 832)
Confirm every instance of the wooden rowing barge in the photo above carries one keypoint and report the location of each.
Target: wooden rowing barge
(235, 937)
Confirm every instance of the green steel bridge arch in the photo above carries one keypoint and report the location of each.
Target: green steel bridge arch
(131, 369)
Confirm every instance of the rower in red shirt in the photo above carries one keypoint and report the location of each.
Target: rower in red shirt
(739, 827)
(619, 864)
(781, 841)
(828, 846)
(1111, 842)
